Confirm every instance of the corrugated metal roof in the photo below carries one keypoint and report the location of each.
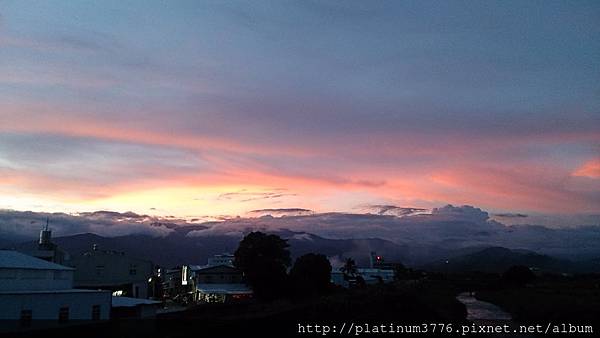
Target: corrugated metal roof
(15, 260)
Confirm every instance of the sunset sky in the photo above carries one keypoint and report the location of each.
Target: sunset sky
(193, 108)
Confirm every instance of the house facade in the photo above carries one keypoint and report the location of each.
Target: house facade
(112, 270)
(217, 282)
(32, 289)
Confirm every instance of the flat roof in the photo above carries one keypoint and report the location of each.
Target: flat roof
(233, 288)
(62, 291)
(198, 268)
(10, 259)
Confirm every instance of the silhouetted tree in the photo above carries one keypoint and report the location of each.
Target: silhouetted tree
(400, 271)
(264, 259)
(359, 282)
(310, 275)
(518, 275)
(349, 269)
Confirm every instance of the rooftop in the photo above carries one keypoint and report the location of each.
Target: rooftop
(28, 292)
(198, 268)
(131, 302)
(15, 260)
(224, 288)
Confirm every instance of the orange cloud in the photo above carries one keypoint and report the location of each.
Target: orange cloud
(42, 119)
(590, 169)
(446, 170)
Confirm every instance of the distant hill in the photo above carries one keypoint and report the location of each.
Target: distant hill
(177, 248)
(410, 235)
(498, 259)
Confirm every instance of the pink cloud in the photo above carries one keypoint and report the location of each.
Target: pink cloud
(590, 169)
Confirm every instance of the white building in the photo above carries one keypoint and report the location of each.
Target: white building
(217, 282)
(375, 275)
(378, 272)
(33, 289)
(112, 270)
(370, 276)
(47, 250)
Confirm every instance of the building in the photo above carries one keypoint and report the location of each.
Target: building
(376, 275)
(171, 282)
(127, 307)
(378, 262)
(378, 271)
(47, 250)
(32, 289)
(223, 259)
(217, 282)
(112, 270)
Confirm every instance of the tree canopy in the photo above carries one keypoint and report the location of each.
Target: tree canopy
(310, 275)
(264, 260)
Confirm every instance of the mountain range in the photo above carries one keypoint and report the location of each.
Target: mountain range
(177, 249)
(415, 237)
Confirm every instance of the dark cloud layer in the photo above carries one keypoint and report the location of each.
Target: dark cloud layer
(448, 228)
(27, 224)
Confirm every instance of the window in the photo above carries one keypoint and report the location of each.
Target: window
(95, 312)
(63, 314)
(25, 319)
(99, 270)
(132, 269)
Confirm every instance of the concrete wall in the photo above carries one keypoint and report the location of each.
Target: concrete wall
(46, 305)
(34, 280)
(109, 268)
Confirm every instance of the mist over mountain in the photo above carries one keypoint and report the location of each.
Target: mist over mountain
(413, 236)
(177, 249)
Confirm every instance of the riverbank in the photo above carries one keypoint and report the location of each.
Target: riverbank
(549, 300)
